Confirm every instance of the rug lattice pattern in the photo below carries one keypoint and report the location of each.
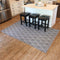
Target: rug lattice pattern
(36, 38)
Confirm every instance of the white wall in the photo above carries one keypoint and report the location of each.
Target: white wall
(46, 0)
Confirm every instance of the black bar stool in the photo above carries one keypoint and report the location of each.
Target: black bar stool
(44, 22)
(24, 14)
(33, 16)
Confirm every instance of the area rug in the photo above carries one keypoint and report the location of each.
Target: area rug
(34, 37)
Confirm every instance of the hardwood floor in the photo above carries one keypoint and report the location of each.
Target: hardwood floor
(13, 49)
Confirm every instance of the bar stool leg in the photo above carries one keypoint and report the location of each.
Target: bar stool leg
(48, 24)
(35, 23)
(38, 24)
(41, 23)
(29, 22)
(21, 19)
(45, 27)
(25, 21)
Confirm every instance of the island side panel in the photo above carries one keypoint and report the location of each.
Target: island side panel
(54, 16)
(41, 12)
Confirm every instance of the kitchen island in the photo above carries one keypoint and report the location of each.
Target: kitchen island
(50, 10)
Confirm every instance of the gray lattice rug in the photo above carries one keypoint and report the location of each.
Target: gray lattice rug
(36, 38)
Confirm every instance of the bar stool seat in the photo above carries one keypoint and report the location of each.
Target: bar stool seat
(33, 16)
(44, 21)
(44, 17)
(24, 14)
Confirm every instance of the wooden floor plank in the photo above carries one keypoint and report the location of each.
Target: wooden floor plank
(13, 49)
